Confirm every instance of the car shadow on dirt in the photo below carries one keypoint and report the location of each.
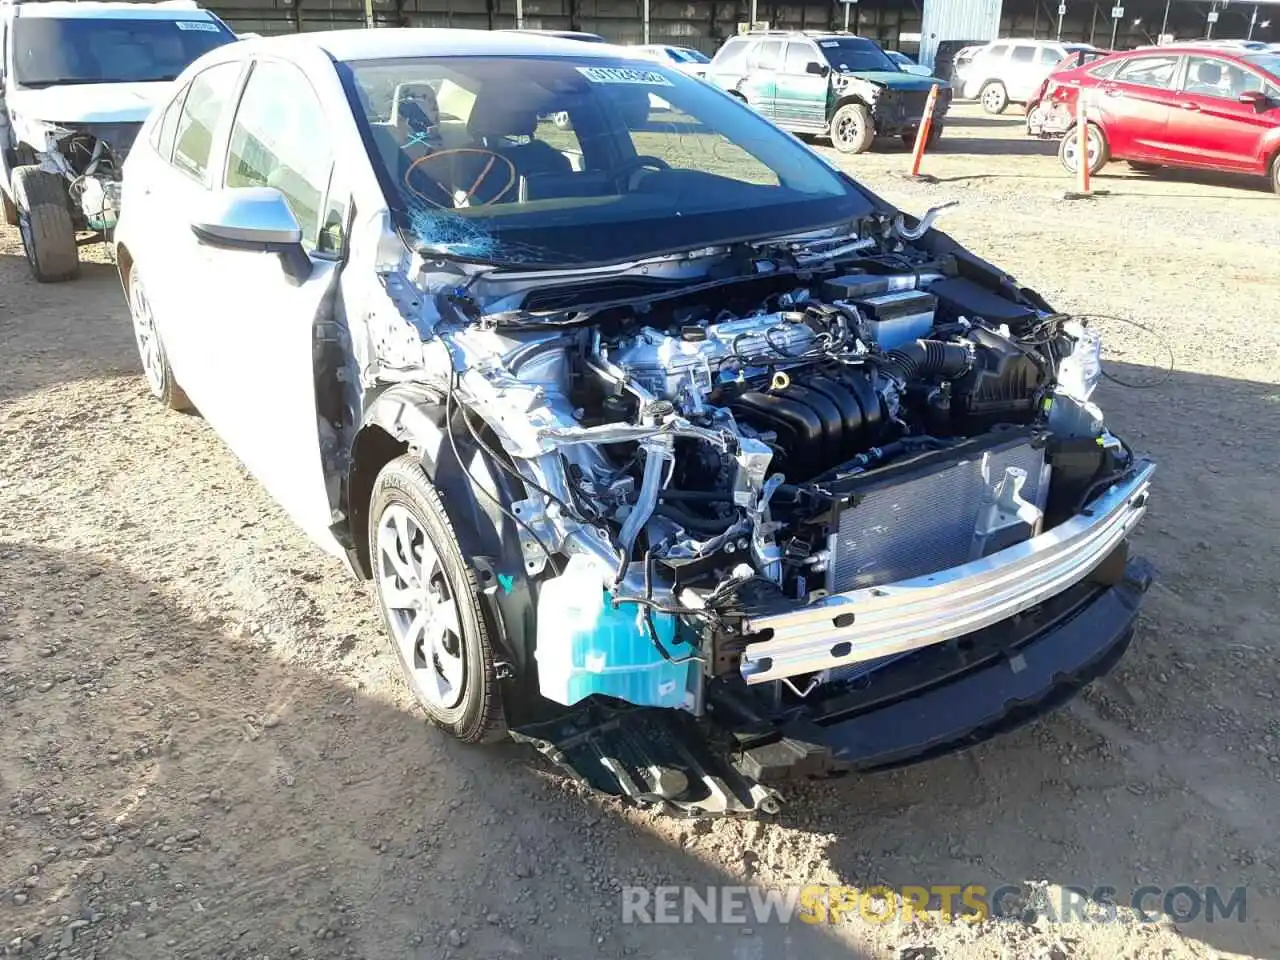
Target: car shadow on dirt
(992, 147)
(1135, 785)
(1009, 121)
(168, 780)
(1140, 184)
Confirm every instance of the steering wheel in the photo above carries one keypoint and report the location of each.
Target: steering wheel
(463, 198)
(633, 166)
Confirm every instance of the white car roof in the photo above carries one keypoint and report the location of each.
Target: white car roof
(62, 10)
(439, 42)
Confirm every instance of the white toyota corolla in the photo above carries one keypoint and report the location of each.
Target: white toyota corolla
(668, 447)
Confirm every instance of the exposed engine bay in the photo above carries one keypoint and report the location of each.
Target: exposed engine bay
(700, 465)
(89, 157)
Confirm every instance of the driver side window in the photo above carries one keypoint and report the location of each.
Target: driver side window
(280, 139)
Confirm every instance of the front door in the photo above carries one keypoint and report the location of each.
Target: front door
(800, 97)
(1136, 106)
(1211, 125)
(266, 407)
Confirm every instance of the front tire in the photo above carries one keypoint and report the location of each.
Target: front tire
(155, 361)
(1069, 150)
(994, 97)
(1275, 173)
(430, 606)
(852, 130)
(48, 235)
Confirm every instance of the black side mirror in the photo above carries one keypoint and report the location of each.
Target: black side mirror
(255, 219)
(816, 68)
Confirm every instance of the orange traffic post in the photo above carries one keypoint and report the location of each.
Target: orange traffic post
(922, 134)
(1084, 176)
(1082, 131)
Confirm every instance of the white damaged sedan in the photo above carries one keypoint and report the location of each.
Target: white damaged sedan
(668, 448)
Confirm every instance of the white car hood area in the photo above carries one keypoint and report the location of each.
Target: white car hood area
(87, 102)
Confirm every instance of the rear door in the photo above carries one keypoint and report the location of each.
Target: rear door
(1022, 71)
(800, 97)
(1136, 106)
(1211, 127)
(759, 86)
(177, 177)
(266, 408)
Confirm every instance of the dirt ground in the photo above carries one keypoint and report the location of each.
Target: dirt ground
(205, 750)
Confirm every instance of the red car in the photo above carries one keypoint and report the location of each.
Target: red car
(1181, 105)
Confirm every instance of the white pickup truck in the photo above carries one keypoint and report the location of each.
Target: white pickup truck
(76, 82)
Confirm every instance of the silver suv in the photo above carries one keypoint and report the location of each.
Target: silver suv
(1010, 71)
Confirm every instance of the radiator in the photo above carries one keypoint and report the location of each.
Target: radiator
(926, 523)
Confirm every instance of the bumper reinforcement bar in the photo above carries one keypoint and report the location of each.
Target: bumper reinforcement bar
(875, 622)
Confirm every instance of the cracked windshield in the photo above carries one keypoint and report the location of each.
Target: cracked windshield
(540, 162)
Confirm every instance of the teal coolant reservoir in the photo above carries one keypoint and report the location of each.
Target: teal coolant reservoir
(587, 646)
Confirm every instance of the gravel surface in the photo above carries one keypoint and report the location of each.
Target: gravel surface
(205, 750)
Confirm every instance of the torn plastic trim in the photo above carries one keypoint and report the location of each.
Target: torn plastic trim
(652, 757)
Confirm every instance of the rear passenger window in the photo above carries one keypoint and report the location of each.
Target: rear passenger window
(1023, 54)
(198, 123)
(280, 139)
(162, 134)
(768, 55)
(1104, 71)
(1149, 71)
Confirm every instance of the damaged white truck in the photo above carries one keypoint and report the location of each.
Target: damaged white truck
(76, 82)
(669, 448)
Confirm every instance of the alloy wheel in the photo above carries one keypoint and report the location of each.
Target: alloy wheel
(847, 129)
(421, 608)
(144, 332)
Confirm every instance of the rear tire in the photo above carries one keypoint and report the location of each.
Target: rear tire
(155, 362)
(852, 130)
(429, 601)
(994, 97)
(1068, 150)
(48, 235)
(1275, 173)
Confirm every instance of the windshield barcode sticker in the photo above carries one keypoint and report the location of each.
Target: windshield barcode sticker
(624, 75)
(205, 25)
(828, 43)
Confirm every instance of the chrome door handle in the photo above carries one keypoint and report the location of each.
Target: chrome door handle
(1190, 106)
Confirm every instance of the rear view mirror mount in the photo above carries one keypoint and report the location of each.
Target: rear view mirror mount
(255, 219)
